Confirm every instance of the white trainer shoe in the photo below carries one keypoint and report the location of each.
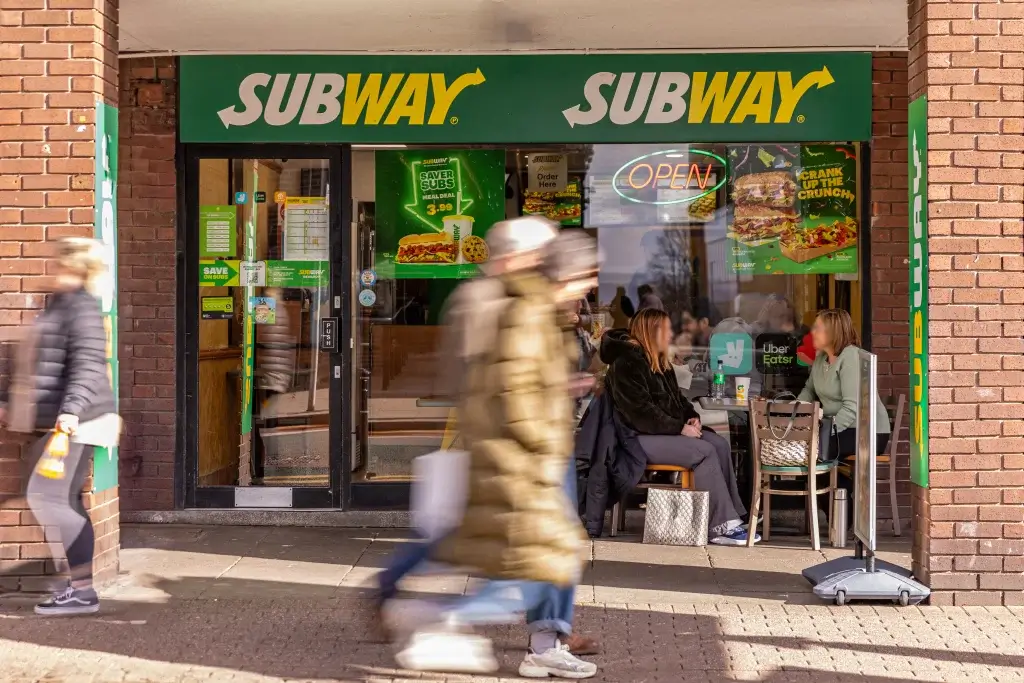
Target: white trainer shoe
(556, 662)
(447, 652)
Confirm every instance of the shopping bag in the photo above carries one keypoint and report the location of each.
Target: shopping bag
(677, 517)
(438, 496)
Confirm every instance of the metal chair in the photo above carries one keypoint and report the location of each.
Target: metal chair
(619, 509)
(895, 410)
(805, 429)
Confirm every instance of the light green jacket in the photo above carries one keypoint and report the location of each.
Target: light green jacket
(836, 386)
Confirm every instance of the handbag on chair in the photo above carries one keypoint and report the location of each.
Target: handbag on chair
(779, 452)
(677, 517)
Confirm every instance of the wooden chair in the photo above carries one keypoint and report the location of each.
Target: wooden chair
(895, 410)
(805, 429)
(619, 509)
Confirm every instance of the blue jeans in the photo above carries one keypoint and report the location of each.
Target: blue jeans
(555, 611)
(404, 561)
(501, 602)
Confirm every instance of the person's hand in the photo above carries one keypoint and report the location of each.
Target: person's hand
(574, 318)
(691, 430)
(684, 346)
(3, 415)
(67, 424)
(695, 421)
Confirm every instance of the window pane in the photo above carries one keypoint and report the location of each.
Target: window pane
(264, 285)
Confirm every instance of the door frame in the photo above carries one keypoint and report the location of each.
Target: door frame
(188, 493)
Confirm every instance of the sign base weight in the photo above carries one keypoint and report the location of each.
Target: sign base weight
(881, 584)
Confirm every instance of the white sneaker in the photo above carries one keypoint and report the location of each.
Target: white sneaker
(443, 651)
(403, 617)
(556, 662)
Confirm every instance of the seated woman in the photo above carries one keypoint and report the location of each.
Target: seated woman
(646, 395)
(835, 382)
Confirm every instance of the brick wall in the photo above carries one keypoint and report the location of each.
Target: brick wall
(146, 224)
(889, 249)
(969, 59)
(57, 58)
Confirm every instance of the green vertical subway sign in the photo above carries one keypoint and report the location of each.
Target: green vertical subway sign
(495, 99)
(918, 149)
(105, 227)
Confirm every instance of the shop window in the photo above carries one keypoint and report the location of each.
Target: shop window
(264, 276)
(746, 240)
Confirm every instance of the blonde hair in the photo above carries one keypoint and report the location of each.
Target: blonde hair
(85, 258)
(838, 326)
(644, 330)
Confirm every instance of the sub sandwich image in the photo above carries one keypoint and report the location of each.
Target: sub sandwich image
(755, 223)
(436, 247)
(775, 189)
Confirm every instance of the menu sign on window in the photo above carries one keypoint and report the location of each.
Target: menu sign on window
(564, 207)
(434, 208)
(217, 238)
(794, 209)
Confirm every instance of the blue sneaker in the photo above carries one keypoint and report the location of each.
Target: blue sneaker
(735, 536)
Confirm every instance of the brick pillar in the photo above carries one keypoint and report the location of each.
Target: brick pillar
(147, 252)
(968, 57)
(57, 59)
(890, 324)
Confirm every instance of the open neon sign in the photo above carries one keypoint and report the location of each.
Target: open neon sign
(647, 172)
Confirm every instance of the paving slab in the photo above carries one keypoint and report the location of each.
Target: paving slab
(298, 607)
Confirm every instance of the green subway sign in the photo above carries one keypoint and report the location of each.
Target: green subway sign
(918, 176)
(450, 99)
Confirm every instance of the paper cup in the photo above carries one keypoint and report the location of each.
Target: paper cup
(742, 388)
(459, 227)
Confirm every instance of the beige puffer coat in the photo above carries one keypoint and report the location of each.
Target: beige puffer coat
(516, 422)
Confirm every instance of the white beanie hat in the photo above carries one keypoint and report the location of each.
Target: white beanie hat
(520, 235)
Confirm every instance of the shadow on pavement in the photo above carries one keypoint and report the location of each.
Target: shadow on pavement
(305, 634)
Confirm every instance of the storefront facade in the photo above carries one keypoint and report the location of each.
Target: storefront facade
(237, 394)
(355, 193)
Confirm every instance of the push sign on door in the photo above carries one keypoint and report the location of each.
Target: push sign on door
(329, 334)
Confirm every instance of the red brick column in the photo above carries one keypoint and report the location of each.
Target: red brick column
(57, 59)
(890, 323)
(968, 57)
(146, 224)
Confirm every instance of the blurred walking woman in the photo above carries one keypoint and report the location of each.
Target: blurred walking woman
(60, 392)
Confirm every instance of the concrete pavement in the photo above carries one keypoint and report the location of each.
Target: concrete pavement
(275, 604)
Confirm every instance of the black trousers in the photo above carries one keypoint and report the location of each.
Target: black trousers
(711, 461)
(845, 444)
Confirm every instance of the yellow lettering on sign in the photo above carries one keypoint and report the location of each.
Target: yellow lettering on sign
(789, 94)
(918, 428)
(918, 375)
(758, 99)
(411, 101)
(720, 96)
(918, 333)
(445, 95)
(369, 97)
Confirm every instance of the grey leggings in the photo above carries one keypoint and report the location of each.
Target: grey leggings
(711, 461)
(58, 507)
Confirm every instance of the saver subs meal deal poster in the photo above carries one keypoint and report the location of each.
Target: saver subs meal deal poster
(434, 208)
(794, 209)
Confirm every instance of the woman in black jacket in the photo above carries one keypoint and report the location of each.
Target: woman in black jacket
(60, 390)
(646, 395)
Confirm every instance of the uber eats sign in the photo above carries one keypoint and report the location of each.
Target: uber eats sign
(770, 97)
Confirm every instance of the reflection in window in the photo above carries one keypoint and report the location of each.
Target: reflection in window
(745, 239)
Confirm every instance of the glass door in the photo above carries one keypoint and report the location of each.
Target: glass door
(263, 324)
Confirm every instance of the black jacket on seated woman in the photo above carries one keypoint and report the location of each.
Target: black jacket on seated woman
(646, 395)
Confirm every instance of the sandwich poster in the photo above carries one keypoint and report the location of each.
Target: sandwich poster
(434, 208)
(794, 209)
(564, 207)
